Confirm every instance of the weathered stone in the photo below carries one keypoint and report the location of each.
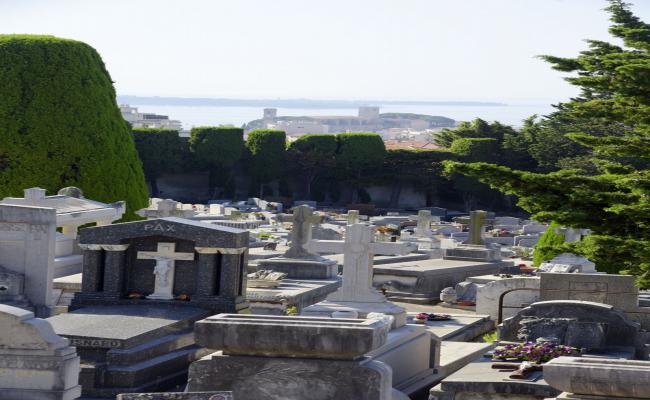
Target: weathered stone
(177, 396)
(600, 378)
(302, 337)
(35, 363)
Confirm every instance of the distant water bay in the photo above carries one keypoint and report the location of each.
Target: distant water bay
(191, 116)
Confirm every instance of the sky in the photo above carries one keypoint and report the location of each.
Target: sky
(326, 49)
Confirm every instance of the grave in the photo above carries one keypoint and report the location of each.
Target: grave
(164, 208)
(424, 238)
(27, 244)
(582, 324)
(144, 285)
(568, 262)
(298, 293)
(72, 211)
(291, 358)
(525, 291)
(598, 379)
(356, 292)
(35, 363)
(298, 262)
(422, 281)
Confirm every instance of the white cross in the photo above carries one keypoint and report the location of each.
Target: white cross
(359, 249)
(165, 257)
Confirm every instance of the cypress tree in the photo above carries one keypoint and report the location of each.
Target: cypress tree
(60, 125)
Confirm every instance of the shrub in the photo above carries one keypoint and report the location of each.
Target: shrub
(60, 124)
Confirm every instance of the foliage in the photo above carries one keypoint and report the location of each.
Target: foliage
(267, 155)
(158, 150)
(312, 156)
(611, 118)
(490, 337)
(550, 244)
(475, 149)
(60, 125)
(357, 152)
(217, 149)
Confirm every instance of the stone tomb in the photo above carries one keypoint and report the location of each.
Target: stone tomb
(27, 245)
(144, 285)
(163, 260)
(422, 281)
(291, 358)
(35, 363)
(299, 262)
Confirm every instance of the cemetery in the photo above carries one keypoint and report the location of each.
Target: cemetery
(499, 263)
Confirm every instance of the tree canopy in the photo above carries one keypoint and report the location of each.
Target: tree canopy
(158, 151)
(610, 124)
(60, 125)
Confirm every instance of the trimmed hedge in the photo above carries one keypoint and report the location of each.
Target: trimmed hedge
(60, 125)
(267, 150)
(216, 146)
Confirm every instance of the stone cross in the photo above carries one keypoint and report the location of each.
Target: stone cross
(424, 224)
(303, 218)
(476, 223)
(358, 249)
(164, 270)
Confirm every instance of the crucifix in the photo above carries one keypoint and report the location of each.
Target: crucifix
(303, 219)
(165, 257)
(359, 249)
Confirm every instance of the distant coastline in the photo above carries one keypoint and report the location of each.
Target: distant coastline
(290, 103)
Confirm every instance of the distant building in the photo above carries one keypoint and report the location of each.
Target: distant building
(148, 120)
(368, 119)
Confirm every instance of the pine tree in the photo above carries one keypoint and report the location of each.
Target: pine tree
(611, 120)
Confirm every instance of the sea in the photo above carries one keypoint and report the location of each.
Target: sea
(190, 116)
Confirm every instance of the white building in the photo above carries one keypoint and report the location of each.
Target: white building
(148, 120)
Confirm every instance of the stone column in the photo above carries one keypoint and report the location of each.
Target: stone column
(208, 277)
(93, 270)
(476, 223)
(232, 272)
(114, 265)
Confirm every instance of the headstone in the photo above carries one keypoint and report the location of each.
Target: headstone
(27, 247)
(476, 226)
(144, 285)
(353, 217)
(423, 229)
(488, 295)
(164, 208)
(621, 333)
(507, 221)
(356, 292)
(585, 378)
(217, 209)
(35, 363)
(292, 358)
(534, 227)
(298, 262)
(619, 291)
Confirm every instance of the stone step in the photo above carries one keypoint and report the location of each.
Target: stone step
(149, 350)
(455, 355)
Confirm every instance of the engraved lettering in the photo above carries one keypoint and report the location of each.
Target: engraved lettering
(9, 227)
(159, 228)
(99, 343)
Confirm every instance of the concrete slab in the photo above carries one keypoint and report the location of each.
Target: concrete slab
(461, 328)
(291, 292)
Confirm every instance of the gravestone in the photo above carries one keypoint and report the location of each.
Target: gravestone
(557, 317)
(27, 247)
(353, 217)
(423, 229)
(164, 208)
(292, 358)
(35, 363)
(476, 223)
(144, 285)
(356, 292)
(298, 262)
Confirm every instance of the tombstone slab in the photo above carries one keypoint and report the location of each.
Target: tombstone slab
(35, 363)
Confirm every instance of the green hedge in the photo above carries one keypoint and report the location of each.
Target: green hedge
(60, 125)
(267, 155)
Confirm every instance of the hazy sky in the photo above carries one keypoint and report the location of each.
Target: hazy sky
(356, 49)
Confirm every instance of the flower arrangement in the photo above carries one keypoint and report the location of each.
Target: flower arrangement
(534, 352)
(421, 317)
(135, 295)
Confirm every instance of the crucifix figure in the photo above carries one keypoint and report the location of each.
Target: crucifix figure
(359, 249)
(165, 256)
(303, 218)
